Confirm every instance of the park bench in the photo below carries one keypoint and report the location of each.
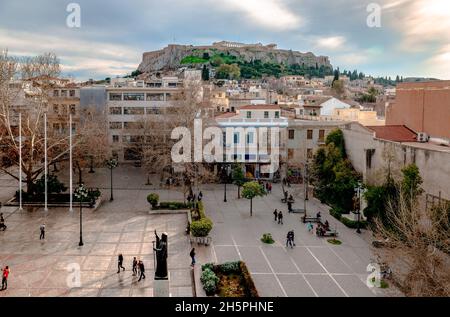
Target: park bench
(201, 240)
(310, 219)
(330, 233)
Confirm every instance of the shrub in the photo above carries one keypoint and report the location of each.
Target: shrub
(209, 280)
(267, 238)
(208, 266)
(248, 281)
(202, 227)
(334, 241)
(230, 268)
(173, 205)
(353, 224)
(335, 213)
(153, 199)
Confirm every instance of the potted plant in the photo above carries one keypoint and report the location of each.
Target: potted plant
(153, 200)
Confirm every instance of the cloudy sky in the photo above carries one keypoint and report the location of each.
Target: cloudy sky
(413, 40)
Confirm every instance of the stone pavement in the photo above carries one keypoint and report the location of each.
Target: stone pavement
(313, 268)
(40, 268)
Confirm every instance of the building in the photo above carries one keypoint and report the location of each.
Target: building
(370, 149)
(305, 137)
(423, 107)
(246, 123)
(129, 103)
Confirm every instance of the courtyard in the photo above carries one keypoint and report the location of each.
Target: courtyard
(42, 268)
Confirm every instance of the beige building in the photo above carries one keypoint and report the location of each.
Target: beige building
(371, 148)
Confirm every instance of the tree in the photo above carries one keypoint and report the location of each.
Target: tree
(238, 177)
(337, 138)
(30, 82)
(252, 190)
(410, 185)
(205, 73)
(226, 71)
(418, 249)
(216, 61)
(339, 88)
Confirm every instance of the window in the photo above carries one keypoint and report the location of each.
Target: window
(115, 110)
(250, 138)
(249, 114)
(72, 93)
(115, 125)
(155, 97)
(133, 111)
(321, 135)
(369, 155)
(310, 134)
(291, 134)
(153, 110)
(56, 109)
(290, 154)
(132, 125)
(266, 114)
(63, 93)
(236, 138)
(309, 153)
(277, 114)
(173, 85)
(72, 109)
(115, 97)
(115, 139)
(55, 93)
(133, 97)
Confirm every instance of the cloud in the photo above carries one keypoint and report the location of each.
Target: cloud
(332, 43)
(272, 14)
(352, 59)
(439, 65)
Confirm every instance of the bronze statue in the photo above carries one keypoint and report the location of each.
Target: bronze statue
(161, 257)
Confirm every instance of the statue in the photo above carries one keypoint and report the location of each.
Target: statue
(161, 257)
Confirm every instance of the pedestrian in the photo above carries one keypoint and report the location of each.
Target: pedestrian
(120, 263)
(310, 227)
(135, 266)
(194, 198)
(280, 217)
(2, 221)
(292, 237)
(141, 270)
(270, 188)
(289, 206)
(318, 215)
(275, 213)
(288, 240)
(286, 196)
(5, 275)
(42, 229)
(192, 255)
(200, 196)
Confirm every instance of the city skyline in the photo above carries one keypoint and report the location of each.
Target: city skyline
(412, 40)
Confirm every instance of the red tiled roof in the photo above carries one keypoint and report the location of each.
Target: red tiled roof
(226, 115)
(396, 133)
(260, 107)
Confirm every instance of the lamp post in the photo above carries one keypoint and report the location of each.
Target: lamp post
(111, 164)
(358, 192)
(306, 184)
(91, 158)
(81, 193)
(225, 181)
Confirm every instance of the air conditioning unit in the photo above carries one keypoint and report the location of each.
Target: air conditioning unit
(422, 137)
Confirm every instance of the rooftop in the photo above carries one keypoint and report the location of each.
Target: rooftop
(260, 107)
(396, 133)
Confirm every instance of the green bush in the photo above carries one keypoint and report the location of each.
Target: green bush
(208, 266)
(352, 224)
(230, 267)
(153, 199)
(267, 238)
(202, 227)
(209, 280)
(335, 213)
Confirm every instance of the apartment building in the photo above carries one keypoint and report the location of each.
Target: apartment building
(305, 137)
(129, 104)
(246, 122)
(64, 101)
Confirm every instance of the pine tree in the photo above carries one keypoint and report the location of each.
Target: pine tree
(205, 73)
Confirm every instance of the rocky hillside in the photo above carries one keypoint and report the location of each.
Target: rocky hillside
(175, 56)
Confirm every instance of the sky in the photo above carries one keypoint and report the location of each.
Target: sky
(412, 40)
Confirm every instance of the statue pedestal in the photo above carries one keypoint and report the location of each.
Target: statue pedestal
(161, 288)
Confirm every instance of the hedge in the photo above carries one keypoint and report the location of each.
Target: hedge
(201, 228)
(209, 280)
(352, 224)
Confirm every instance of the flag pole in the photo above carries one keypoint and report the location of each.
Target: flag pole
(45, 168)
(70, 163)
(20, 162)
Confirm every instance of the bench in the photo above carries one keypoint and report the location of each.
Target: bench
(298, 211)
(201, 240)
(330, 233)
(310, 219)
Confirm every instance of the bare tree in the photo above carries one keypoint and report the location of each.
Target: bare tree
(25, 86)
(418, 247)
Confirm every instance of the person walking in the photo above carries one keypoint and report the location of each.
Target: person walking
(120, 263)
(275, 213)
(135, 266)
(270, 188)
(288, 240)
(280, 217)
(5, 276)
(2, 221)
(141, 271)
(42, 229)
(192, 255)
(200, 196)
(292, 235)
(310, 227)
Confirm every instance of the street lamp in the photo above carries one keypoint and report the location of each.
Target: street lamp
(81, 193)
(112, 164)
(225, 180)
(358, 191)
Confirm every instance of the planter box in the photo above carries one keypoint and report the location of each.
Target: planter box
(13, 203)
